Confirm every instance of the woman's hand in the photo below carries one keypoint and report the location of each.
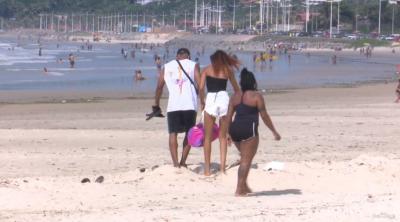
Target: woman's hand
(202, 105)
(277, 136)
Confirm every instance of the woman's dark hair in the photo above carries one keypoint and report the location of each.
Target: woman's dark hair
(247, 80)
(223, 63)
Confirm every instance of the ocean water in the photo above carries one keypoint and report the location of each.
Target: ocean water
(105, 69)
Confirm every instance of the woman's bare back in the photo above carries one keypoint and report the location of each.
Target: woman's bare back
(249, 98)
(209, 71)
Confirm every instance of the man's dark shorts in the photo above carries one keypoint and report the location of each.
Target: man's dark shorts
(181, 121)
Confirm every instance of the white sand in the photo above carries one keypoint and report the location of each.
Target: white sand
(340, 151)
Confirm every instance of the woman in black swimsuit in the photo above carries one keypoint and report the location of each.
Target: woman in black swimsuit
(243, 130)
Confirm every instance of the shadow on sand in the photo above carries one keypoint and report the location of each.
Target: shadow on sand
(276, 192)
(199, 169)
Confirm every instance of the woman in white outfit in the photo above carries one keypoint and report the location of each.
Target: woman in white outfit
(215, 76)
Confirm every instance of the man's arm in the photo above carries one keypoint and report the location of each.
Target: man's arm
(160, 87)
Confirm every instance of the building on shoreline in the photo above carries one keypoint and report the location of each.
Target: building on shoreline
(144, 2)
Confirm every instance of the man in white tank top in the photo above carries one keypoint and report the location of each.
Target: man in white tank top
(182, 100)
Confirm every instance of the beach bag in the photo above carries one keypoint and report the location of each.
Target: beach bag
(196, 134)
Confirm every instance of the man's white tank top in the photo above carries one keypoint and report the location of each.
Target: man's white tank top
(182, 94)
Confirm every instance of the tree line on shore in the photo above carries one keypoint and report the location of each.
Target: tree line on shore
(355, 15)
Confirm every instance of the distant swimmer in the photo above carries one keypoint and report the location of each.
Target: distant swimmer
(368, 52)
(138, 75)
(334, 58)
(40, 51)
(71, 60)
(158, 63)
(47, 72)
(133, 54)
(262, 58)
(289, 58)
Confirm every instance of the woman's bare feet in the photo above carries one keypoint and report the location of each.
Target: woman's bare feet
(222, 170)
(248, 190)
(243, 191)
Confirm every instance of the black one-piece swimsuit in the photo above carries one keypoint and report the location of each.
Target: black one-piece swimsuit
(245, 124)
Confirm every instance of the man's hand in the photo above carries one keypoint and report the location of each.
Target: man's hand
(277, 136)
(156, 112)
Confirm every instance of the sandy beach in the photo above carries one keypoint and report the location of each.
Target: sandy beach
(340, 152)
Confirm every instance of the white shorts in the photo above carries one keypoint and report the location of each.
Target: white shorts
(217, 104)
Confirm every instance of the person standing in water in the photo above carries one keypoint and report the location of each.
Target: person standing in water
(247, 105)
(139, 76)
(334, 58)
(215, 77)
(158, 63)
(71, 60)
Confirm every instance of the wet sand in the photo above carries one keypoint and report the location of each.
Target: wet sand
(340, 149)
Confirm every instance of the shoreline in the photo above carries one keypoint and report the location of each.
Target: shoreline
(89, 96)
(250, 43)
